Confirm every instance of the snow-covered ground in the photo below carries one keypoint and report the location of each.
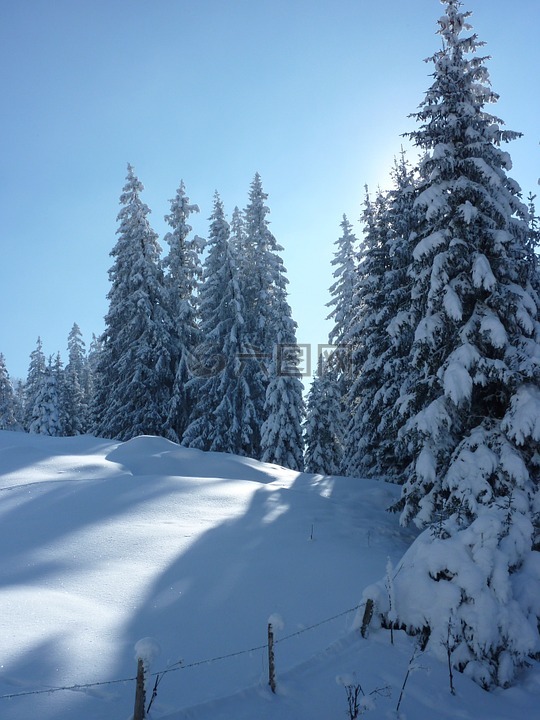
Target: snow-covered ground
(104, 544)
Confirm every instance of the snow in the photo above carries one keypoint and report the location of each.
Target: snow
(523, 419)
(428, 329)
(452, 303)
(426, 465)
(147, 649)
(494, 329)
(490, 174)
(468, 212)
(435, 201)
(428, 244)
(482, 274)
(457, 383)
(114, 550)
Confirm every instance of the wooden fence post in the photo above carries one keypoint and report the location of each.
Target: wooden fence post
(140, 693)
(271, 661)
(368, 614)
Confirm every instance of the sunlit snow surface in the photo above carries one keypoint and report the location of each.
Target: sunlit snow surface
(106, 546)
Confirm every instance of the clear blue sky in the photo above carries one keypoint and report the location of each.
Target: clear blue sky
(312, 94)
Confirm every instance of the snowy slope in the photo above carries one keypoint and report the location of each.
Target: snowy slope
(105, 543)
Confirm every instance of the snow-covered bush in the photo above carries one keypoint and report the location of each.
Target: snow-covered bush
(474, 588)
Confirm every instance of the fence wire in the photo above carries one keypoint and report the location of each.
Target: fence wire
(178, 665)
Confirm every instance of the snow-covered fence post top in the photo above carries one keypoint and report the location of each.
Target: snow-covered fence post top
(145, 652)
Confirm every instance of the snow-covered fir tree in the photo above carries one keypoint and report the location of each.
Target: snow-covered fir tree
(257, 251)
(382, 329)
(238, 241)
(47, 411)
(183, 272)
(223, 416)
(76, 402)
(275, 384)
(34, 378)
(323, 431)
(398, 323)
(470, 404)
(476, 344)
(89, 379)
(343, 289)
(343, 292)
(364, 339)
(63, 395)
(136, 365)
(8, 413)
(534, 240)
(282, 440)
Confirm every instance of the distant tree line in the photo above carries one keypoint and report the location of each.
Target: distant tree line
(199, 346)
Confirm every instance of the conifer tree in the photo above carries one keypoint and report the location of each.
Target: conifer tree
(470, 402)
(238, 241)
(257, 249)
(343, 292)
(534, 242)
(19, 395)
(62, 392)
(136, 365)
(477, 337)
(363, 339)
(274, 381)
(8, 419)
(90, 379)
(282, 440)
(344, 287)
(183, 274)
(322, 427)
(384, 329)
(36, 373)
(223, 415)
(398, 322)
(76, 402)
(46, 415)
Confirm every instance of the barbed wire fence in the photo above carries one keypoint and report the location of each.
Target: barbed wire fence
(180, 665)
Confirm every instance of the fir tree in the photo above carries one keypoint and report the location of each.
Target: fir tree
(344, 287)
(135, 370)
(19, 396)
(257, 253)
(471, 400)
(223, 416)
(76, 402)
(8, 419)
(184, 272)
(343, 292)
(34, 378)
(46, 416)
(275, 389)
(322, 427)
(282, 440)
(365, 339)
(238, 241)
(475, 344)
(534, 242)
(90, 379)
(385, 330)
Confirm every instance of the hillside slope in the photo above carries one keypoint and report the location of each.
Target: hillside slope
(105, 543)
